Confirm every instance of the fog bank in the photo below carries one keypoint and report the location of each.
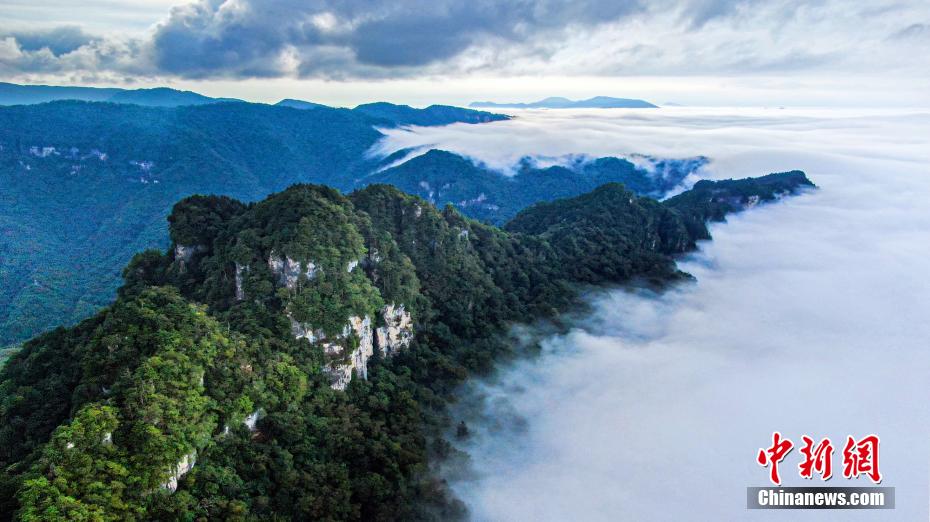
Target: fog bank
(808, 316)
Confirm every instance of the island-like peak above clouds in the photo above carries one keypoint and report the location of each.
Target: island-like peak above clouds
(556, 102)
(432, 115)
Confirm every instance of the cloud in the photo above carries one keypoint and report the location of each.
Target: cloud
(381, 39)
(249, 38)
(66, 55)
(913, 31)
(59, 40)
(807, 316)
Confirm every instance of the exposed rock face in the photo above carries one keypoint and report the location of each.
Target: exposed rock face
(251, 421)
(184, 253)
(183, 466)
(394, 336)
(397, 330)
(305, 331)
(288, 270)
(340, 371)
(240, 269)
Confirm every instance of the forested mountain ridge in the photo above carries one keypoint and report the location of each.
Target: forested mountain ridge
(432, 115)
(442, 177)
(216, 385)
(14, 94)
(85, 185)
(388, 113)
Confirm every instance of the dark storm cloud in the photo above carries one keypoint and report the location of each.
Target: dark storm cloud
(60, 40)
(252, 38)
(206, 39)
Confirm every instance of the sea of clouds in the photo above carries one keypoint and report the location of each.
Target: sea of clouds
(807, 316)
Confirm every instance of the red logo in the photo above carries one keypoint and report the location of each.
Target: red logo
(773, 455)
(819, 459)
(859, 457)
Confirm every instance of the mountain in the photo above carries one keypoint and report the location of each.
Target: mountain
(394, 115)
(164, 97)
(432, 115)
(292, 357)
(597, 102)
(442, 178)
(13, 94)
(300, 104)
(84, 185)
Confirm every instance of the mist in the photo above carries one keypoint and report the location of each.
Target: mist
(807, 316)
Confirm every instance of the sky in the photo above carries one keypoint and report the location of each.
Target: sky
(343, 52)
(806, 316)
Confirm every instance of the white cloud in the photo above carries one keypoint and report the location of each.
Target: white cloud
(808, 316)
(866, 48)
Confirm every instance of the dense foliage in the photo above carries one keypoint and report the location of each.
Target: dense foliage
(197, 361)
(432, 115)
(85, 185)
(442, 177)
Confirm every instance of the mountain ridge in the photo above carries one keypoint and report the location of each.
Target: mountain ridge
(442, 177)
(305, 345)
(85, 184)
(558, 102)
(16, 94)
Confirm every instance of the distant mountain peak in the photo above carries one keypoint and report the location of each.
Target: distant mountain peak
(300, 104)
(15, 94)
(432, 115)
(558, 102)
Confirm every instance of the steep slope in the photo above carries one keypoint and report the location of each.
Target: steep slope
(442, 177)
(84, 185)
(292, 357)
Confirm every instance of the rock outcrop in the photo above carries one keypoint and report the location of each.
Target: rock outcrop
(184, 253)
(289, 270)
(252, 420)
(397, 331)
(240, 270)
(180, 469)
(394, 336)
(345, 364)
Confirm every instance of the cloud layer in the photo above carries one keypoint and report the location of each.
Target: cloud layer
(340, 39)
(807, 317)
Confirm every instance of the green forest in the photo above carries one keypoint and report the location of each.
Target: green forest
(293, 357)
(84, 186)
